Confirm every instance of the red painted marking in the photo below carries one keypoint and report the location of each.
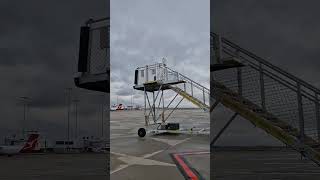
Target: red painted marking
(186, 168)
(31, 143)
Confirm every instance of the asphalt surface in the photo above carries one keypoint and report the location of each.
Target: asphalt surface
(284, 164)
(134, 158)
(54, 167)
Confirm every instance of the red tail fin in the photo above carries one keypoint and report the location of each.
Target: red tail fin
(30, 144)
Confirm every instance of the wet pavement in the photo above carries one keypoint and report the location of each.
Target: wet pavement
(150, 157)
(263, 164)
(54, 167)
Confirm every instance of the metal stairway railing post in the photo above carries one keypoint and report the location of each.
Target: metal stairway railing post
(262, 91)
(300, 111)
(204, 97)
(317, 115)
(163, 110)
(218, 49)
(154, 106)
(147, 73)
(145, 106)
(239, 79)
(191, 89)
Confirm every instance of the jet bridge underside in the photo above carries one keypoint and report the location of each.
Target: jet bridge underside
(93, 82)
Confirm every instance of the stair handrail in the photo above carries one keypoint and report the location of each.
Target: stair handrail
(197, 85)
(266, 63)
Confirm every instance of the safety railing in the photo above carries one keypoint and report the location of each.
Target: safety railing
(286, 96)
(192, 87)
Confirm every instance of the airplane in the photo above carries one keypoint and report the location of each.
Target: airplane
(117, 107)
(28, 147)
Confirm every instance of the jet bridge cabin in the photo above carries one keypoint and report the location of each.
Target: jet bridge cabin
(94, 56)
(155, 77)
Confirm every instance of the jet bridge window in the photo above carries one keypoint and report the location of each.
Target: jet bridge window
(142, 73)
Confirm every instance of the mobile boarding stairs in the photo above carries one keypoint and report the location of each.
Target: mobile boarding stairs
(155, 80)
(272, 99)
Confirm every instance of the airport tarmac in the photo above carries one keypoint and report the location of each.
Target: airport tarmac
(155, 157)
(82, 166)
(151, 157)
(262, 164)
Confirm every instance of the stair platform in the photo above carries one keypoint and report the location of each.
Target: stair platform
(152, 86)
(227, 64)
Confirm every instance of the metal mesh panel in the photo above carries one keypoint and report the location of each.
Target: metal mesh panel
(251, 85)
(228, 78)
(268, 86)
(281, 101)
(309, 112)
(99, 51)
(192, 88)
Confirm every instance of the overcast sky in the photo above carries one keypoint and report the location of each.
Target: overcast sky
(145, 31)
(38, 51)
(287, 33)
(39, 47)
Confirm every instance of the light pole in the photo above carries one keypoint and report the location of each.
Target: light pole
(131, 101)
(25, 106)
(68, 111)
(76, 101)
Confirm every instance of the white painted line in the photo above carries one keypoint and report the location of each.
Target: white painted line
(152, 154)
(120, 168)
(171, 142)
(135, 160)
(122, 136)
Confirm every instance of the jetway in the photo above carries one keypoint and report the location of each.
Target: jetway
(94, 56)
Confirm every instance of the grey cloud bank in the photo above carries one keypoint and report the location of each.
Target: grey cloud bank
(145, 31)
(38, 51)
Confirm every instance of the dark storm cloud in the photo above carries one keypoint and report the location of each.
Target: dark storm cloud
(38, 51)
(145, 31)
(287, 33)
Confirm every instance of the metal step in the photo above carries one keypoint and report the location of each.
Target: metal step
(266, 121)
(190, 98)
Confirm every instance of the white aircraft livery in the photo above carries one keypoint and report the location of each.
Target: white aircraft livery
(28, 147)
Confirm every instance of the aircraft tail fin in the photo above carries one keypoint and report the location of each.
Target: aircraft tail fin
(31, 143)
